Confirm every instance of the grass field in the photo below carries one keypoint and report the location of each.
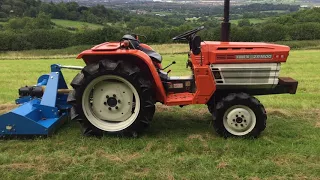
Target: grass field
(71, 52)
(75, 24)
(275, 1)
(71, 24)
(180, 144)
(252, 20)
(164, 49)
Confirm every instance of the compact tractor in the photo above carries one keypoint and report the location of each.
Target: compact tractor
(116, 92)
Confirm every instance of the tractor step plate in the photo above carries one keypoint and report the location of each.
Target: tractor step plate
(179, 99)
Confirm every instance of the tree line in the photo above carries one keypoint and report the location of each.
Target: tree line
(70, 10)
(33, 29)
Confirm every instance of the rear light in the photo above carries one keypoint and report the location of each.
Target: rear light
(280, 56)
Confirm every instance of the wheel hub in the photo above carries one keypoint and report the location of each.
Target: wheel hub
(106, 91)
(239, 120)
(112, 102)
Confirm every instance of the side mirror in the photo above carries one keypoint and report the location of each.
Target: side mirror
(196, 45)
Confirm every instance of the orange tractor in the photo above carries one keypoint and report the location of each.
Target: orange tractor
(117, 90)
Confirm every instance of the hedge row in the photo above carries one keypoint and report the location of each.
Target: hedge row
(53, 39)
(37, 39)
(59, 38)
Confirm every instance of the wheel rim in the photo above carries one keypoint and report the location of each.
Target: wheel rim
(111, 103)
(239, 120)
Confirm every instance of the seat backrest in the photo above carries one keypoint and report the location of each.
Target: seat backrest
(136, 45)
(133, 41)
(196, 45)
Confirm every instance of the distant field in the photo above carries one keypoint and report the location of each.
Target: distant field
(72, 24)
(70, 52)
(180, 144)
(163, 49)
(192, 19)
(162, 13)
(275, 1)
(252, 20)
(75, 24)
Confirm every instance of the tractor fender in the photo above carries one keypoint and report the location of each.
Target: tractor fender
(141, 58)
(146, 46)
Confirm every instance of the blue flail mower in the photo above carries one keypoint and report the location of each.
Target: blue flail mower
(43, 108)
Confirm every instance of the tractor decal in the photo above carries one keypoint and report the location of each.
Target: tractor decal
(254, 56)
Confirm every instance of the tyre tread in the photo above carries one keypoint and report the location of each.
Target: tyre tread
(104, 67)
(230, 100)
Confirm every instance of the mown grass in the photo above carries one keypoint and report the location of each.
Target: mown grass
(76, 24)
(180, 144)
(307, 44)
(69, 52)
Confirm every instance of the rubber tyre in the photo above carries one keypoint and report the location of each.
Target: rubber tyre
(218, 113)
(123, 69)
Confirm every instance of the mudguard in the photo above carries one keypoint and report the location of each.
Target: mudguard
(113, 50)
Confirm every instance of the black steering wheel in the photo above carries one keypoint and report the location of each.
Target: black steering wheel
(187, 34)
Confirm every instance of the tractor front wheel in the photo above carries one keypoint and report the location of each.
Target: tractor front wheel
(239, 115)
(112, 97)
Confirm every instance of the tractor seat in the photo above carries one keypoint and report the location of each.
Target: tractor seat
(136, 44)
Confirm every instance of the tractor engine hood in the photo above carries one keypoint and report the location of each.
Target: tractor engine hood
(244, 52)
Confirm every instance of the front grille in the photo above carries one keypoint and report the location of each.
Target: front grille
(246, 74)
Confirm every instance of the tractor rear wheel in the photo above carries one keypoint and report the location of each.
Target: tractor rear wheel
(112, 97)
(239, 115)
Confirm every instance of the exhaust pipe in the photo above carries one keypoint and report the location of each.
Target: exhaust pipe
(225, 25)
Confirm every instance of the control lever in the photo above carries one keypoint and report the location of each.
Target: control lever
(169, 65)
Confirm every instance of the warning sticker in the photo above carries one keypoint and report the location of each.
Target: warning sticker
(178, 86)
